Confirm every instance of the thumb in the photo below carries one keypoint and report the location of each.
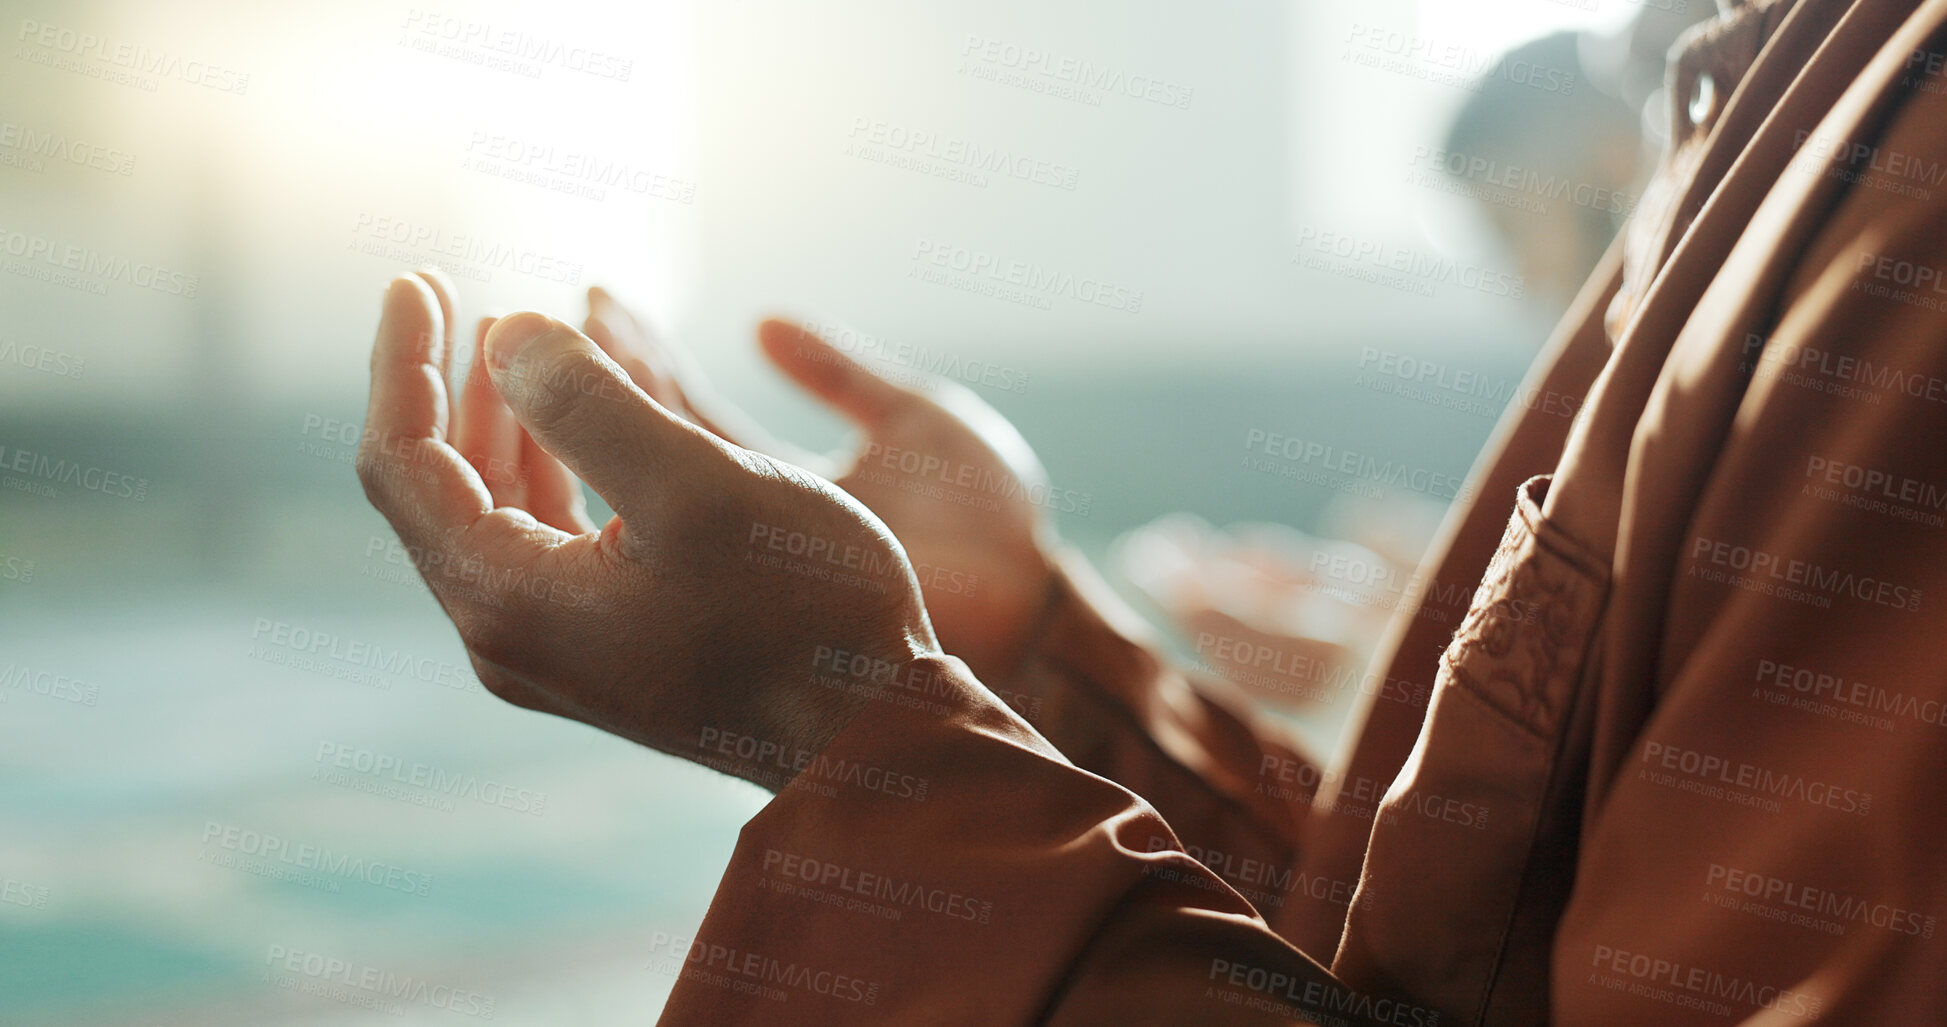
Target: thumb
(581, 407)
(863, 395)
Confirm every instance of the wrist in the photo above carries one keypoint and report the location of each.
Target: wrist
(1082, 629)
(766, 731)
(990, 624)
(863, 701)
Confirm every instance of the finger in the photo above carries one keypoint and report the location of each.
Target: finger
(580, 406)
(419, 482)
(679, 383)
(485, 432)
(443, 290)
(623, 339)
(857, 391)
(1304, 672)
(1160, 559)
(628, 329)
(553, 492)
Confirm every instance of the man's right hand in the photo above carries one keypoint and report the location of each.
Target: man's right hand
(953, 479)
(697, 619)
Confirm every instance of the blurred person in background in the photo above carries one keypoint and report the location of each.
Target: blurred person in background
(1659, 744)
(1554, 176)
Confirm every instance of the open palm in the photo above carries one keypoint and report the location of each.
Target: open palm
(948, 474)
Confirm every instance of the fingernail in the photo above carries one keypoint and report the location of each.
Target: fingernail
(511, 334)
(401, 294)
(401, 284)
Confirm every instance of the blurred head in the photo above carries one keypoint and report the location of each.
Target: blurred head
(1560, 166)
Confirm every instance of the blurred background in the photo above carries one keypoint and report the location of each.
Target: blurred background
(246, 776)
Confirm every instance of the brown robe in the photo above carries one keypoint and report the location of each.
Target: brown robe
(1679, 763)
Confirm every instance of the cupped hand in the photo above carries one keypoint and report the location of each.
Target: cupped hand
(1289, 617)
(953, 479)
(703, 609)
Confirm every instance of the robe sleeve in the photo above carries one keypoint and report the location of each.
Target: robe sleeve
(943, 863)
(1232, 782)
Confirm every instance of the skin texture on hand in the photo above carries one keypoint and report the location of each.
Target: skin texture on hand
(699, 612)
(954, 480)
